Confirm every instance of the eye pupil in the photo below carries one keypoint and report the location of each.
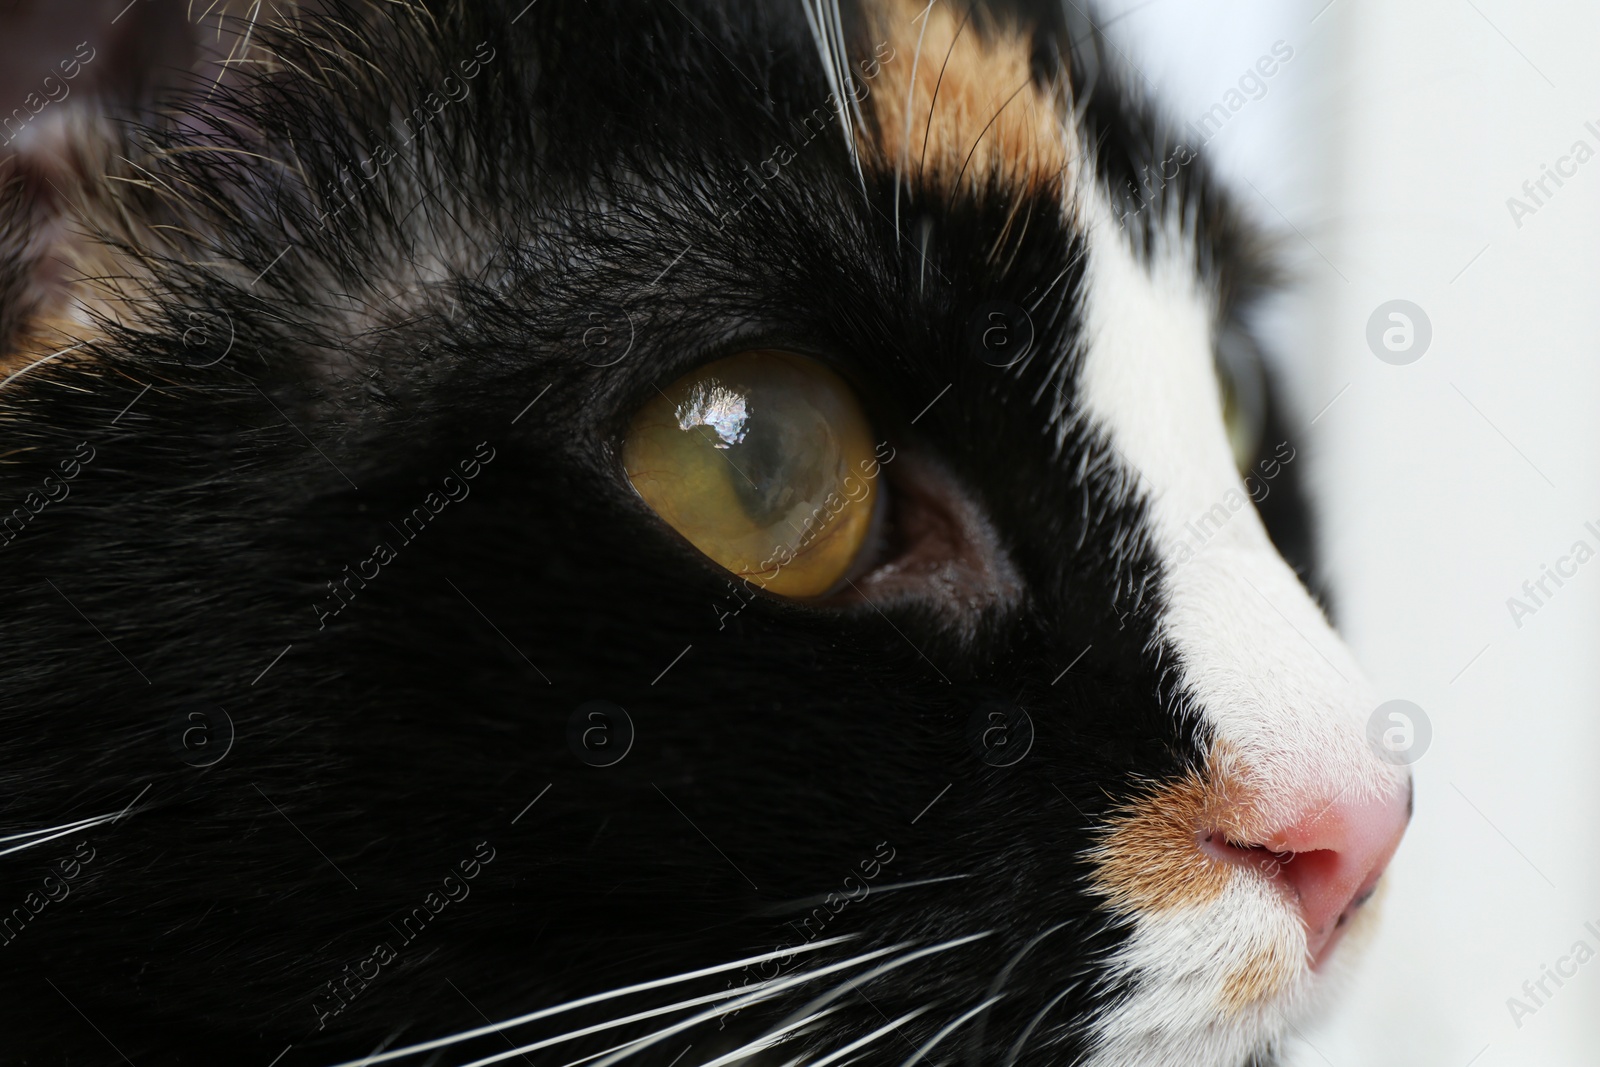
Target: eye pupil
(748, 458)
(768, 485)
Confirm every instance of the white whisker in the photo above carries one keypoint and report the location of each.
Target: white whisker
(911, 90)
(862, 1042)
(241, 49)
(763, 991)
(1011, 964)
(66, 826)
(609, 1024)
(583, 1002)
(847, 79)
(920, 882)
(38, 362)
(822, 898)
(766, 994)
(846, 987)
(926, 230)
(768, 1040)
(85, 825)
(1027, 1031)
(826, 30)
(743, 1050)
(894, 964)
(949, 1029)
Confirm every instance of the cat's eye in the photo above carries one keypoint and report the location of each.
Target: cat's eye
(764, 461)
(1242, 383)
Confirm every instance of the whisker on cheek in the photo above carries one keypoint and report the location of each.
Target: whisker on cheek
(599, 998)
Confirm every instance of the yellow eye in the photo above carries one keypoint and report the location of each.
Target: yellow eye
(764, 461)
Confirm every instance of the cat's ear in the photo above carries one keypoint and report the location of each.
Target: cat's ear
(73, 75)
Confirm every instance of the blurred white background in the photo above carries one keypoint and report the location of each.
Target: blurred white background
(1385, 152)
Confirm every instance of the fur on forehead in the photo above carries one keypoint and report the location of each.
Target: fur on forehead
(963, 108)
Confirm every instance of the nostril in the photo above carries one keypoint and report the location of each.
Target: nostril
(1219, 845)
(1327, 862)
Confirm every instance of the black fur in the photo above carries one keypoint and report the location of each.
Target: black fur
(404, 741)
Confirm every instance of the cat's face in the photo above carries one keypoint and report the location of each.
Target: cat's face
(390, 601)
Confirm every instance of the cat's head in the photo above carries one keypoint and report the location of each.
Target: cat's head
(387, 421)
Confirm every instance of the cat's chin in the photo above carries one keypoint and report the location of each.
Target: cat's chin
(1234, 1016)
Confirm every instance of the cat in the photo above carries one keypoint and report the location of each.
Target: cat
(397, 672)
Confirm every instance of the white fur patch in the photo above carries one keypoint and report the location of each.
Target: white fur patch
(1265, 672)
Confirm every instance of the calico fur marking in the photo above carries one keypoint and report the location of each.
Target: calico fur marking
(975, 118)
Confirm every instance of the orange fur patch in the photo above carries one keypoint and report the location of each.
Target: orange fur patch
(1150, 859)
(55, 196)
(56, 330)
(1263, 976)
(973, 116)
(41, 339)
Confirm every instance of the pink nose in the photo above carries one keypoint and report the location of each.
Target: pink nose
(1328, 859)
